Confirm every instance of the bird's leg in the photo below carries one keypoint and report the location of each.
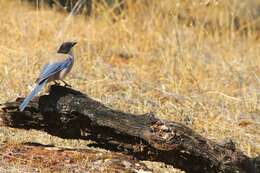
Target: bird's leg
(66, 84)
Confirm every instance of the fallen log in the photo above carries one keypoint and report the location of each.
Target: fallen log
(69, 113)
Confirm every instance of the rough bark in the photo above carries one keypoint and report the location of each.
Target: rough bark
(71, 114)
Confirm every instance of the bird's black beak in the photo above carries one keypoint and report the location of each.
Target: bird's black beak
(74, 43)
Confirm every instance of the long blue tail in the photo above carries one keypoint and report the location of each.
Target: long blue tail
(36, 89)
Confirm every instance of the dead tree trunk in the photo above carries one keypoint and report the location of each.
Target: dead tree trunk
(71, 114)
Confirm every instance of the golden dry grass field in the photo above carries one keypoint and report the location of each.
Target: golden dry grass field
(198, 69)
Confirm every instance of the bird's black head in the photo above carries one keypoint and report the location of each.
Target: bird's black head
(66, 47)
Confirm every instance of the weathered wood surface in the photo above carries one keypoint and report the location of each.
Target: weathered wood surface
(71, 114)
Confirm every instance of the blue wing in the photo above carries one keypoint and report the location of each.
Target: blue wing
(50, 69)
(47, 71)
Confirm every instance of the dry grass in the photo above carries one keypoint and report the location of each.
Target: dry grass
(39, 158)
(204, 74)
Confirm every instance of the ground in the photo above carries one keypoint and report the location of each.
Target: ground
(188, 62)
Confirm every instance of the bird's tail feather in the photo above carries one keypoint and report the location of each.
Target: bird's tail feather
(36, 89)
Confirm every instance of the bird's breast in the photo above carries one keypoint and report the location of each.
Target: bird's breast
(63, 73)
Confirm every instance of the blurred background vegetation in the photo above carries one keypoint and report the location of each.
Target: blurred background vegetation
(241, 15)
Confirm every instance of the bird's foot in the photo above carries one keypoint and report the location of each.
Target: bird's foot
(56, 83)
(66, 84)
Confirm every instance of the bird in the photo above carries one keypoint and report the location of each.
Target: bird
(53, 71)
